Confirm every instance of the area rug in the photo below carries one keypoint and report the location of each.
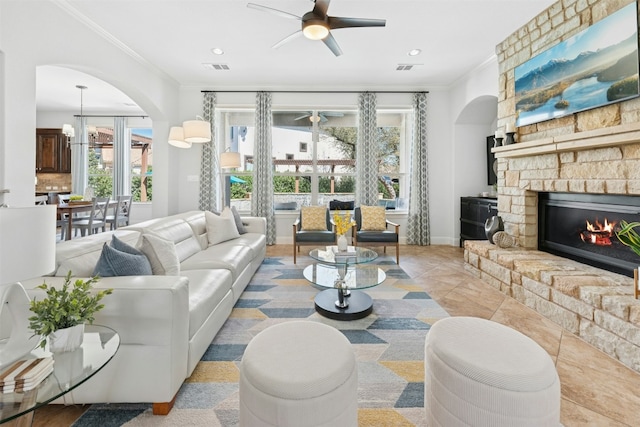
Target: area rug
(389, 347)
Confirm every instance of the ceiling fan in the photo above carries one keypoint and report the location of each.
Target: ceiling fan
(322, 115)
(317, 25)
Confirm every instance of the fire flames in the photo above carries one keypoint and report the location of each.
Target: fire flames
(598, 233)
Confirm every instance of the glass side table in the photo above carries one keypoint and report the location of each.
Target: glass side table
(70, 369)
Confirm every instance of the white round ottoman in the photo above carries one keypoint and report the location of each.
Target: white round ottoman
(481, 373)
(299, 374)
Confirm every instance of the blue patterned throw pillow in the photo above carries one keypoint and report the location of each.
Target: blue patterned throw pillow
(113, 262)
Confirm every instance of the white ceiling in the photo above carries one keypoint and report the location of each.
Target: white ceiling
(176, 37)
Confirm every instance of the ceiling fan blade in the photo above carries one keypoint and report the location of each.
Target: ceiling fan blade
(287, 39)
(303, 117)
(332, 114)
(336, 22)
(323, 118)
(320, 9)
(274, 11)
(332, 44)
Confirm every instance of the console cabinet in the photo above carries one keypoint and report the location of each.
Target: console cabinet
(474, 212)
(52, 151)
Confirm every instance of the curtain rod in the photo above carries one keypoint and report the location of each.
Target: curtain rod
(314, 91)
(110, 115)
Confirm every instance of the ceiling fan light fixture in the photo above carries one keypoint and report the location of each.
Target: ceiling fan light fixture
(315, 29)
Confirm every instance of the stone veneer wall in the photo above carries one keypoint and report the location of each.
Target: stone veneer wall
(595, 151)
(610, 169)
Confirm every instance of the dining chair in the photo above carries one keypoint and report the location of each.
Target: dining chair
(42, 200)
(313, 227)
(96, 219)
(372, 229)
(63, 221)
(121, 212)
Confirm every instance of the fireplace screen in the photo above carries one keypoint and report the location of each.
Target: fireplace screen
(582, 227)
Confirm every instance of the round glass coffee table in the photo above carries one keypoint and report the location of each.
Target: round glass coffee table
(70, 369)
(343, 275)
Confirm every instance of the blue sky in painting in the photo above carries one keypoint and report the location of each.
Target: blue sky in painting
(613, 29)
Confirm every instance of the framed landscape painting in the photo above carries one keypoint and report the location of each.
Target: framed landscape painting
(595, 67)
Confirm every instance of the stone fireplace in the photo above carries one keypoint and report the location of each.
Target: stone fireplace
(594, 152)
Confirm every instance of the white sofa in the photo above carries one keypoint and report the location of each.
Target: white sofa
(165, 323)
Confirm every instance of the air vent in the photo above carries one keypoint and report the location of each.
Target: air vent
(406, 67)
(217, 67)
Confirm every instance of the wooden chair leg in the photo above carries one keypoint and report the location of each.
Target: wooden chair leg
(398, 253)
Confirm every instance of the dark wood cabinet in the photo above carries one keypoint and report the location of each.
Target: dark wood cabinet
(474, 212)
(52, 151)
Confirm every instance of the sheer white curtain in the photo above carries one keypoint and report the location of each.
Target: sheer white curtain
(121, 157)
(418, 221)
(262, 193)
(79, 159)
(209, 164)
(367, 151)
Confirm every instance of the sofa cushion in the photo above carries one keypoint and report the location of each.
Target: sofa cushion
(161, 254)
(221, 228)
(80, 256)
(254, 241)
(206, 289)
(113, 262)
(178, 231)
(238, 220)
(227, 255)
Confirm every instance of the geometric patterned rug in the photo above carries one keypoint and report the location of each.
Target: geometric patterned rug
(389, 348)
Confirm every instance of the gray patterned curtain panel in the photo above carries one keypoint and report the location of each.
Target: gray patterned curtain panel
(209, 165)
(367, 152)
(262, 193)
(121, 157)
(418, 220)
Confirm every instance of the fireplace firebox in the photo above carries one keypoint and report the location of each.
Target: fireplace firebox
(582, 227)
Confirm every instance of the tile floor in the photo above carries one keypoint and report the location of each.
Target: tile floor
(596, 389)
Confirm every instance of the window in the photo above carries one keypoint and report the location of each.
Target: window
(101, 163)
(141, 164)
(323, 166)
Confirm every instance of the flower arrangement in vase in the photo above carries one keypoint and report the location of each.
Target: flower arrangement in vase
(342, 223)
(67, 307)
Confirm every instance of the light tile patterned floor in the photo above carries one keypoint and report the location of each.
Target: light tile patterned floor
(596, 390)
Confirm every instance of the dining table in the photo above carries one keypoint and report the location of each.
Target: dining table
(72, 208)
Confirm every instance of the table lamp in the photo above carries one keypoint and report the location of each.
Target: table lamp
(27, 250)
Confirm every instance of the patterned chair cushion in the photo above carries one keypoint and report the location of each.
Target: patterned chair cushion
(373, 218)
(314, 218)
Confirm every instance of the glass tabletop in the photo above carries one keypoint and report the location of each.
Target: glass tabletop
(353, 255)
(356, 277)
(70, 369)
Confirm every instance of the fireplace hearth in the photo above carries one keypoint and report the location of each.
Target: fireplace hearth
(582, 227)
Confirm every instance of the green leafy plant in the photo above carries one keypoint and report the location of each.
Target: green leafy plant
(65, 307)
(628, 236)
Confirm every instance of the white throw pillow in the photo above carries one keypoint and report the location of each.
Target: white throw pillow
(162, 255)
(221, 228)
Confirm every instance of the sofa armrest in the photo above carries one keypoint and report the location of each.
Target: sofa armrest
(144, 310)
(255, 224)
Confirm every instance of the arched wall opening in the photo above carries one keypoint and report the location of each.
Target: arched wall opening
(476, 121)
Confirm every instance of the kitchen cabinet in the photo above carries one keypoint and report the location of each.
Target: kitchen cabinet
(52, 151)
(474, 212)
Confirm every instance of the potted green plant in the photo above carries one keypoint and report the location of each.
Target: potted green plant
(628, 236)
(61, 316)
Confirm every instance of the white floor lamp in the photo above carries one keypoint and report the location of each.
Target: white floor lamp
(27, 250)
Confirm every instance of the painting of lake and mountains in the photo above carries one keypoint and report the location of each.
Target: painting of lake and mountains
(597, 66)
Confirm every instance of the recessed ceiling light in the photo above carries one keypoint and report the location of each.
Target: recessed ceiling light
(414, 52)
(217, 51)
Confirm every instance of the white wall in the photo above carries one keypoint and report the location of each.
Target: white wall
(51, 37)
(474, 114)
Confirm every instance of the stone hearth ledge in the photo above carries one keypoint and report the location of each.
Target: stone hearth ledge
(594, 304)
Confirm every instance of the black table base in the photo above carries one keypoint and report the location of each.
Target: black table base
(360, 305)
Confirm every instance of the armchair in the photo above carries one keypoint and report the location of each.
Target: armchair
(313, 227)
(372, 229)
